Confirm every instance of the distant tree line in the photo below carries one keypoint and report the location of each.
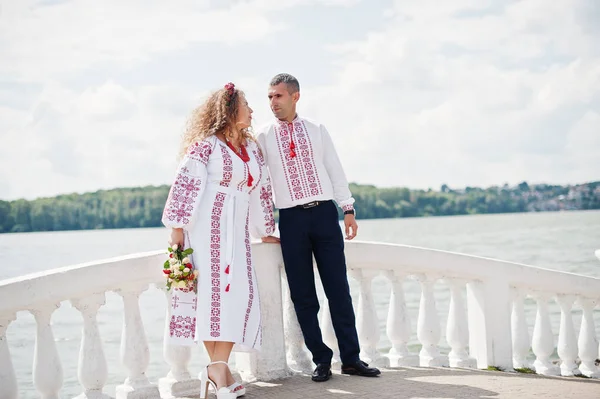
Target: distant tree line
(143, 206)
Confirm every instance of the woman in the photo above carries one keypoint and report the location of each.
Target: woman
(221, 194)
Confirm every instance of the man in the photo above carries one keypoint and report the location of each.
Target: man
(306, 175)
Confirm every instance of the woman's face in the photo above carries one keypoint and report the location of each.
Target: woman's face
(244, 119)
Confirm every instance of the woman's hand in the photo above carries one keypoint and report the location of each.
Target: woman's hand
(271, 239)
(176, 238)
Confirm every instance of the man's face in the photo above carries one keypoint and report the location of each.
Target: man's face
(282, 103)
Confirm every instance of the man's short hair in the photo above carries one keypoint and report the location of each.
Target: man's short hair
(291, 82)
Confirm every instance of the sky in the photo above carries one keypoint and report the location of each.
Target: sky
(95, 94)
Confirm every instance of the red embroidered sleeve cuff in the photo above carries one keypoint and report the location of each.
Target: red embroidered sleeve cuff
(349, 207)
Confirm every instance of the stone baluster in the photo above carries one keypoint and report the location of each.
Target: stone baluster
(135, 354)
(366, 320)
(297, 356)
(588, 344)
(520, 332)
(543, 339)
(92, 368)
(47, 369)
(457, 328)
(428, 326)
(398, 324)
(567, 340)
(178, 382)
(329, 333)
(8, 380)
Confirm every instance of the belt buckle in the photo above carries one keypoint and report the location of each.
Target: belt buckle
(310, 204)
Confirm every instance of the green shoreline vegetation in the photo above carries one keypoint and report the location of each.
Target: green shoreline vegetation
(143, 206)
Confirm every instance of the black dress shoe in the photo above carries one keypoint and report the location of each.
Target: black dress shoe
(360, 368)
(322, 372)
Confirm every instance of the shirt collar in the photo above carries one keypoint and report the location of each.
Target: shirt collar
(281, 123)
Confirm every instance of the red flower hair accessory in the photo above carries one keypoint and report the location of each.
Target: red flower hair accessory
(229, 92)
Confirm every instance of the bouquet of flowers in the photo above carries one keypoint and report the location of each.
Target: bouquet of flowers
(179, 271)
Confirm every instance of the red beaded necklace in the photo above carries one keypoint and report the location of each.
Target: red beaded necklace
(243, 154)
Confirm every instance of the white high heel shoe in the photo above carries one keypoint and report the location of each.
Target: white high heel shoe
(222, 393)
(238, 389)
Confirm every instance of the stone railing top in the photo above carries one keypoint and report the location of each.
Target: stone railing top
(443, 264)
(53, 286)
(142, 269)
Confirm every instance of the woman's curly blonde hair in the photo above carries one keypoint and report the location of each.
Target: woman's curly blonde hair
(218, 114)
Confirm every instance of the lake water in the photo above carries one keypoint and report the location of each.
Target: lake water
(563, 241)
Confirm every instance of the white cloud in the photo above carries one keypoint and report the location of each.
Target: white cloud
(468, 96)
(464, 92)
(76, 34)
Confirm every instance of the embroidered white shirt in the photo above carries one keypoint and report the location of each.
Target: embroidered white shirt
(303, 164)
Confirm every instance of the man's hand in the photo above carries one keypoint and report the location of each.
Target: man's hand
(270, 239)
(351, 226)
(176, 238)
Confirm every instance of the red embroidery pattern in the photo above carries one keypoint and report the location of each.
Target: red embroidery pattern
(259, 156)
(200, 151)
(250, 283)
(177, 300)
(300, 171)
(258, 335)
(267, 205)
(215, 268)
(182, 198)
(227, 167)
(182, 326)
(348, 207)
(311, 177)
(261, 164)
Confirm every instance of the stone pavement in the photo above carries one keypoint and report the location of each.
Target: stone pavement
(430, 383)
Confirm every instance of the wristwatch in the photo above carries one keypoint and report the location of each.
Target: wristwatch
(350, 212)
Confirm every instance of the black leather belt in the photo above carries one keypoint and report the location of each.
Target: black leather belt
(311, 204)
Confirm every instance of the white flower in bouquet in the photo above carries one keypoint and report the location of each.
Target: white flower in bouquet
(185, 260)
(175, 247)
(178, 272)
(173, 261)
(181, 284)
(196, 273)
(186, 270)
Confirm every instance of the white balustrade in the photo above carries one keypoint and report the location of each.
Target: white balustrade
(178, 382)
(398, 324)
(486, 332)
(47, 368)
(8, 380)
(328, 332)
(92, 369)
(543, 340)
(296, 354)
(270, 362)
(428, 326)
(457, 328)
(135, 354)
(588, 343)
(520, 332)
(567, 340)
(367, 324)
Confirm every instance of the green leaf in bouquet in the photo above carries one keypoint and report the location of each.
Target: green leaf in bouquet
(170, 249)
(166, 265)
(189, 251)
(181, 268)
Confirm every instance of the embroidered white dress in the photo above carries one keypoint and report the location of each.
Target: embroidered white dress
(211, 200)
(303, 164)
